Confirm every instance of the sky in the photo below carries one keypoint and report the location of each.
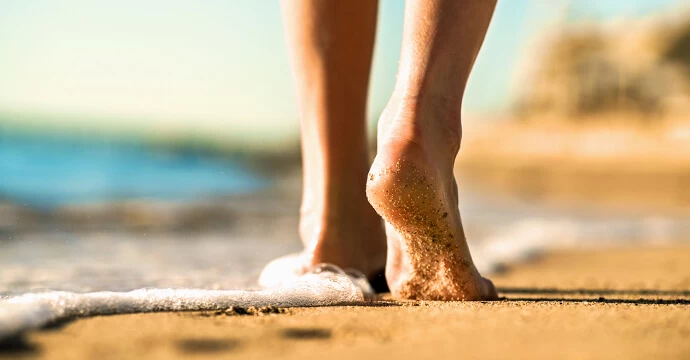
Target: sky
(205, 66)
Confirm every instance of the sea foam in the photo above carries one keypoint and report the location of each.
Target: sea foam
(323, 286)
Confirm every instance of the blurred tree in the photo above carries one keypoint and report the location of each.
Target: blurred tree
(585, 70)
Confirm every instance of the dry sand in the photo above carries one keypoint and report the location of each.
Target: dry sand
(625, 303)
(608, 163)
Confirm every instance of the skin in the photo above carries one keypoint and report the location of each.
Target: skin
(411, 183)
(330, 47)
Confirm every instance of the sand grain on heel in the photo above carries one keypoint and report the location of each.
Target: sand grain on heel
(418, 207)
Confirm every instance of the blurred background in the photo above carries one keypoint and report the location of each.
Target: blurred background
(156, 143)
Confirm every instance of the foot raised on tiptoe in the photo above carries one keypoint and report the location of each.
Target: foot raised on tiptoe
(411, 185)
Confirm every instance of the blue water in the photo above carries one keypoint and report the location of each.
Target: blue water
(47, 172)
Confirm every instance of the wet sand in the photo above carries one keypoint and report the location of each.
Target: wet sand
(625, 303)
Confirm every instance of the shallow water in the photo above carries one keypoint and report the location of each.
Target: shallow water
(37, 266)
(124, 261)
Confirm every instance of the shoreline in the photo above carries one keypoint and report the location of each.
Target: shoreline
(624, 302)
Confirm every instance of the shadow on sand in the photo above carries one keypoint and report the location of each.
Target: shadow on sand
(552, 294)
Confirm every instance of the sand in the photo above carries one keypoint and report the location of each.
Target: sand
(625, 303)
(609, 163)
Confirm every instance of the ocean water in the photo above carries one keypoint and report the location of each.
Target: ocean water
(50, 274)
(44, 171)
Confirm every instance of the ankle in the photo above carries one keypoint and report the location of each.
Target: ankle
(348, 219)
(350, 238)
(430, 122)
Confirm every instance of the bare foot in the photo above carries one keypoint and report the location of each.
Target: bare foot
(411, 185)
(347, 233)
(341, 229)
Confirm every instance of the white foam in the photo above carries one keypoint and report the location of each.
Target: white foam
(34, 310)
(523, 240)
(282, 269)
(286, 269)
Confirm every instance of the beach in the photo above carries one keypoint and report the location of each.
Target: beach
(589, 263)
(622, 302)
(152, 173)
